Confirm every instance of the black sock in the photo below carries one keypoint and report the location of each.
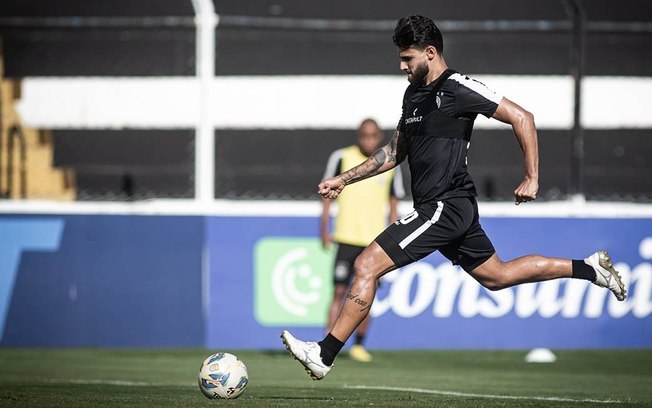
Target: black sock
(359, 339)
(330, 346)
(583, 271)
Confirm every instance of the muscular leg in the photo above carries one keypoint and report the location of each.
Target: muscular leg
(362, 328)
(372, 263)
(334, 310)
(317, 358)
(494, 274)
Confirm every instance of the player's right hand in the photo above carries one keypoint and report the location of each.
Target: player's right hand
(331, 187)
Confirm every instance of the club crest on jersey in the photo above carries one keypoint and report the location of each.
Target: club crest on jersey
(438, 99)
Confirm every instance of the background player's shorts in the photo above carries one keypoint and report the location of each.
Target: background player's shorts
(453, 229)
(344, 260)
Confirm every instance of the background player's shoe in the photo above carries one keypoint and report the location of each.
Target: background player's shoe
(307, 353)
(606, 275)
(359, 353)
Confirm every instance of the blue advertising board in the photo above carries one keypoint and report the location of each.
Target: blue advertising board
(269, 273)
(94, 281)
(236, 282)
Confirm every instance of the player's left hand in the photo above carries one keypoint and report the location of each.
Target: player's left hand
(526, 191)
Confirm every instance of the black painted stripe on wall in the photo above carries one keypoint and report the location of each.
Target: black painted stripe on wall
(129, 163)
(98, 52)
(388, 9)
(618, 164)
(128, 8)
(623, 10)
(171, 52)
(596, 10)
(313, 52)
(290, 163)
(320, 52)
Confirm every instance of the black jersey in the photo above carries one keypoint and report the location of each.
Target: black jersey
(437, 121)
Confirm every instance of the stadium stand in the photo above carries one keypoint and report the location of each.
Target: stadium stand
(26, 154)
(127, 39)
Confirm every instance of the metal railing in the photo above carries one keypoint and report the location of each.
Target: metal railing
(15, 133)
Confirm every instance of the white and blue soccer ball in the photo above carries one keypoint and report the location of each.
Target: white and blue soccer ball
(223, 376)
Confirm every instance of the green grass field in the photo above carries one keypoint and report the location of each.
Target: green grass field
(167, 378)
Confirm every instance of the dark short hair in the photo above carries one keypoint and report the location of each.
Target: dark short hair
(417, 31)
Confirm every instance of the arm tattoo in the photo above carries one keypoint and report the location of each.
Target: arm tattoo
(380, 157)
(368, 168)
(381, 160)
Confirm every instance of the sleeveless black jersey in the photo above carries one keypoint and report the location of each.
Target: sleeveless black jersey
(437, 122)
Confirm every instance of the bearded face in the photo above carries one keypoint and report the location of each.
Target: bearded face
(414, 62)
(419, 73)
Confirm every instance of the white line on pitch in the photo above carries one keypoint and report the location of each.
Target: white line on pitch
(84, 381)
(473, 395)
(110, 382)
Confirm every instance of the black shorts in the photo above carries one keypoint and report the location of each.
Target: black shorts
(453, 228)
(344, 260)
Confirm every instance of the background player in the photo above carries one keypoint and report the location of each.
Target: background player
(362, 215)
(434, 132)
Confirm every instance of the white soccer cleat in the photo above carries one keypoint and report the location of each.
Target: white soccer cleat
(307, 353)
(606, 275)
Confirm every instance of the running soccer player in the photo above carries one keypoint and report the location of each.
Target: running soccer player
(434, 133)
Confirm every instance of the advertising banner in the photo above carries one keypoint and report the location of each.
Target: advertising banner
(296, 289)
(270, 273)
(100, 281)
(236, 282)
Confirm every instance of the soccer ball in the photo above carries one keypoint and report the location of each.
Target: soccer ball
(222, 375)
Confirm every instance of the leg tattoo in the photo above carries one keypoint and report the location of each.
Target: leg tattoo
(354, 298)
